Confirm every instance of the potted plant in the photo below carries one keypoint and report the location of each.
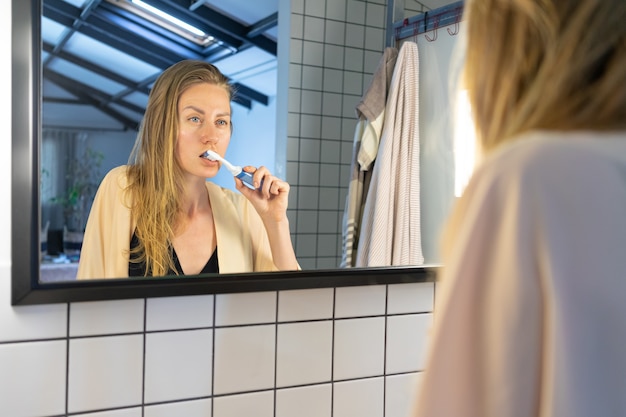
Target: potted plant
(82, 179)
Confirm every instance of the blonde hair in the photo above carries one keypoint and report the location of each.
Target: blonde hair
(545, 64)
(154, 172)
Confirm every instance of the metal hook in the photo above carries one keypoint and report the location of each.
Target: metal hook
(435, 27)
(456, 24)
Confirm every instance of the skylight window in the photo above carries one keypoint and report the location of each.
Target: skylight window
(165, 20)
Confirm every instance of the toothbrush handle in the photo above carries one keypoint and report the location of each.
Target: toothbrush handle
(247, 179)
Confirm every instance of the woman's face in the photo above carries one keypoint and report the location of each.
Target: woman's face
(204, 123)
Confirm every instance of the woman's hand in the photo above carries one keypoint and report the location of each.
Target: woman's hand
(271, 196)
(270, 201)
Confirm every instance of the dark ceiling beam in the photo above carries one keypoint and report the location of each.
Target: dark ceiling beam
(217, 21)
(263, 25)
(96, 69)
(89, 96)
(143, 40)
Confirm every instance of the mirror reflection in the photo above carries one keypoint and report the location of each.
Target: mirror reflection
(100, 60)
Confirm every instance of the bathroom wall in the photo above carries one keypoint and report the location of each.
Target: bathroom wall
(353, 351)
(335, 47)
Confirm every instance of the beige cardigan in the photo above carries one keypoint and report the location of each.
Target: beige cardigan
(241, 237)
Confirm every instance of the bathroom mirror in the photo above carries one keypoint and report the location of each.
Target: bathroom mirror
(27, 287)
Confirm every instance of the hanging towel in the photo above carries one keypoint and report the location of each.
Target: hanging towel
(390, 230)
(371, 114)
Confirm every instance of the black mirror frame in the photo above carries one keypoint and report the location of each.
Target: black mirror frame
(25, 211)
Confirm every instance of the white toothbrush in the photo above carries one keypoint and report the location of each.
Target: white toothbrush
(237, 171)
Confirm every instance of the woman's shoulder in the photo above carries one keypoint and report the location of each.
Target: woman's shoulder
(549, 153)
(116, 178)
(550, 164)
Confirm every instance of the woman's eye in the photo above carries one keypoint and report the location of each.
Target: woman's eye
(222, 122)
(194, 119)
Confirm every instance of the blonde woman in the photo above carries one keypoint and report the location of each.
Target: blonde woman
(160, 216)
(530, 318)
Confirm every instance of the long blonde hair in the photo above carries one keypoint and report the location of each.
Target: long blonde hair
(545, 64)
(154, 172)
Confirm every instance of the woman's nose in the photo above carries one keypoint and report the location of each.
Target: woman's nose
(209, 134)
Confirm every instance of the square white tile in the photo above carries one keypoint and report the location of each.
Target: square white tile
(309, 149)
(329, 176)
(336, 10)
(359, 346)
(365, 300)
(400, 394)
(333, 58)
(312, 100)
(312, 79)
(331, 125)
(244, 358)
(355, 35)
(407, 340)
(169, 313)
(362, 398)
(314, 8)
(330, 151)
(329, 198)
(304, 353)
(46, 321)
(310, 175)
(126, 412)
(105, 372)
(375, 15)
(310, 126)
(356, 11)
(245, 308)
(195, 408)
(335, 32)
(374, 38)
(333, 83)
(411, 298)
(307, 221)
(305, 246)
(308, 401)
(32, 378)
(353, 83)
(313, 28)
(258, 404)
(354, 59)
(309, 304)
(178, 365)
(331, 106)
(327, 245)
(312, 53)
(106, 317)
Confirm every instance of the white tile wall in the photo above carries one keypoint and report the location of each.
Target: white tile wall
(178, 365)
(304, 353)
(244, 358)
(309, 401)
(363, 398)
(258, 404)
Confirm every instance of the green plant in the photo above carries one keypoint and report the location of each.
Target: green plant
(82, 178)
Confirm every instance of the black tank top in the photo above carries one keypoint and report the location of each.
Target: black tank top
(138, 269)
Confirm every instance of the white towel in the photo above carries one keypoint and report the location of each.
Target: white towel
(390, 231)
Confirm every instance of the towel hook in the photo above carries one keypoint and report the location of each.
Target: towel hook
(435, 27)
(456, 24)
